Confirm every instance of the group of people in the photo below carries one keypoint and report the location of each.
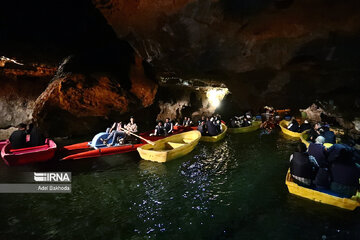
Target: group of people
(242, 121)
(324, 169)
(18, 138)
(316, 131)
(163, 129)
(210, 126)
(118, 132)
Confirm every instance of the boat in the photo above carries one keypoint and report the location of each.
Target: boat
(171, 147)
(305, 135)
(28, 155)
(3, 143)
(283, 125)
(96, 148)
(217, 137)
(254, 126)
(322, 197)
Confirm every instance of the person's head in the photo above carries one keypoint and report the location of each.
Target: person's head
(167, 120)
(160, 123)
(22, 126)
(185, 118)
(207, 119)
(132, 119)
(300, 147)
(202, 117)
(317, 126)
(320, 140)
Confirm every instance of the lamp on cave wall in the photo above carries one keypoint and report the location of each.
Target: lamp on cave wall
(216, 95)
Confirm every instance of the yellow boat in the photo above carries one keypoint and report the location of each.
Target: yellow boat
(345, 203)
(169, 148)
(283, 125)
(217, 137)
(255, 126)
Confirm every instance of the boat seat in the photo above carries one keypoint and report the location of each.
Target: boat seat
(175, 144)
(188, 140)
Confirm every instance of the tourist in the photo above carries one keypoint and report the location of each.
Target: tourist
(116, 135)
(328, 135)
(302, 167)
(211, 128)
(131, 126)
(345, 175)
(305, 126)
(18, 137)
(36, 136)
(317, 150)
(168, 126)
(314, 132)
(202, 128)
(159, 129)
(294, 125)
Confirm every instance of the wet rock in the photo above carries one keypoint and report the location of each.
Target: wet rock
(20, 86)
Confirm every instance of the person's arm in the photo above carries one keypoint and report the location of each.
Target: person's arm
(113, 127)
(171, 128)
(291, 157)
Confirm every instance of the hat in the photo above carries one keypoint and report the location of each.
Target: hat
(320, 140)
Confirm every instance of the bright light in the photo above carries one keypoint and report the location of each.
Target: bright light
(216, 95)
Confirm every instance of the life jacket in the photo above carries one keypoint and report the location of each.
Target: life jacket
(329, 137)
(160, 130)
(301, 166)
(318, 152)
(168, 126)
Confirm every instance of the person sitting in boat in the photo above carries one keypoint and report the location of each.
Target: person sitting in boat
(303, 167)
(117, 135)
(328, 134)
(201, 120)
(305, 126)
(314, 132)
(131, 126)
(217, 124)
(202, 128)
(184, 122)
(18, 137)
(345, 175)
(159, 129)
(234, 123)
(37, 138)
(169, 126)
(211, 128)
(317, 150)
(188, 122)
(294, 125)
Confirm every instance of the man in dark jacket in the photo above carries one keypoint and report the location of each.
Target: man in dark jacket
(328, 135)
(18, 137)
(36, 136)
(211, 128)
(305, 126)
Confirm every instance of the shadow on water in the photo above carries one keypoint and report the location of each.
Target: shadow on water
(233, 189)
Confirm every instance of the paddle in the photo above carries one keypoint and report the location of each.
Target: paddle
(148, 141)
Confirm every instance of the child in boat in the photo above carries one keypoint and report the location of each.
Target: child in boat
(18, 137)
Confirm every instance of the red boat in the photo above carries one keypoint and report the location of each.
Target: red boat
(28, 155)
(85, 150)
(3, 143)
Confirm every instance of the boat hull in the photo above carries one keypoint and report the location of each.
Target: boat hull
(283, 125)
(170, 148)
(255, 126)
(85, 149)
(345, 203)
(22, 156)
(217, 137)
